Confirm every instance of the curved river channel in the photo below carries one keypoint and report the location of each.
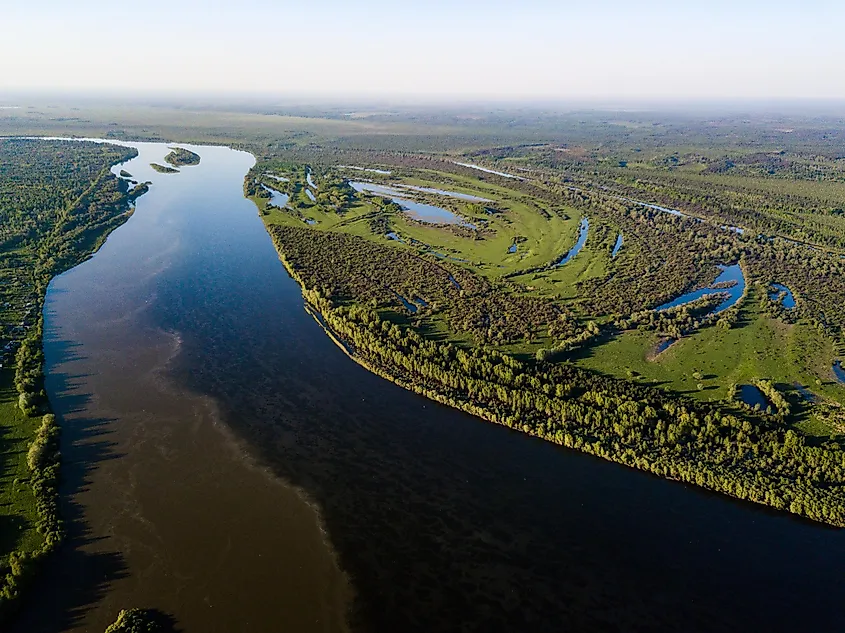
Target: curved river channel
(226, 463)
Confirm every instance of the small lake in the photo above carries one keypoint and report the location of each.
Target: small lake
(730, 274)
(310, 195)
(489, 171)
(512, 248)
(277, 198)
(752, 396)
(418, 210)
(583, 231)
(309, 180)
(616, 246)
(279, 178)
(839, 371)
(783, 295)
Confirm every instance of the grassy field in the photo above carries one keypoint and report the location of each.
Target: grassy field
(704, 364)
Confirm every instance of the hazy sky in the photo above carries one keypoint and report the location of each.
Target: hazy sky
(522, 48)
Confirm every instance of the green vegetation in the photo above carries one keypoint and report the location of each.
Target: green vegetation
(766, 193)
(58, 202)
(179, 157)
(162, 169)
(141, 621)
(406, 298)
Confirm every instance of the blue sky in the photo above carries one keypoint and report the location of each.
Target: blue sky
(524, 49)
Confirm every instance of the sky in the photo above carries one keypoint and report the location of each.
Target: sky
(523, 49)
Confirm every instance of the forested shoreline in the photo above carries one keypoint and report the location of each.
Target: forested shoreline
(59, 201)
(639, 426)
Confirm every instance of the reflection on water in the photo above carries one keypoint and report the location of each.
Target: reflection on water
(277, 198)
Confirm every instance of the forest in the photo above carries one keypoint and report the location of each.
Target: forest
(181, 157)
(405, 295)
(58, 202)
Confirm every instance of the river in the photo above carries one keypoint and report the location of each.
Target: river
(227, 463)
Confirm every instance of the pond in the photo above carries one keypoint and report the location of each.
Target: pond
(783, 295)
(839, 371)
(277, 198)
(310, 195)
(512, 248)
(753, 397)
(309, 180)
(616, 246)
(729, 275)
(583, 230)
(418, 210)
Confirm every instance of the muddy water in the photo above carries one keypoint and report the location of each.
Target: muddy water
(181, 353)
(166, 508)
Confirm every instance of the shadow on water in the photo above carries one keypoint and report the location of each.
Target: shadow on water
(74, 579)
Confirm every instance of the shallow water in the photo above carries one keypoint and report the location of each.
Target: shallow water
(752, 396)
(186, 370)
(583, 231)
(423, 212)
(729, 274)
(839, 371)
(788, 299)
(616, 246)
(277, 198)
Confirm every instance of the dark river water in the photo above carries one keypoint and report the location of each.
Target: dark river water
(226, 463)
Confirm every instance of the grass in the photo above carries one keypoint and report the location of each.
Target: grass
(17, 502)
(701, 365)
(757, 347)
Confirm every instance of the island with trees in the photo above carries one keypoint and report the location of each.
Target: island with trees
(181, 157)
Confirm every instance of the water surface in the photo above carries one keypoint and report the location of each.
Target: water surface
(730, 275)
(186, 371)
(277, 198)
(782, 295)
(752, 396)
(616, 246)
(583, 230)
(423, 212)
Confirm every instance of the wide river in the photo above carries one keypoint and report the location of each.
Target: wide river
(226, 463)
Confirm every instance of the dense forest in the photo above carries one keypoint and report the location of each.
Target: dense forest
(58, 202)
(632, 424)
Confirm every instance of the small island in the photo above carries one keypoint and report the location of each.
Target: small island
(125, 174)
(180, 157)
(163, 169)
